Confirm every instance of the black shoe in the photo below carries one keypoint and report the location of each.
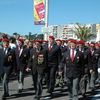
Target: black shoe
(92, 88)
(51, 95)
(5, 95)
(37, 97)
(20, 91)
(83, 95)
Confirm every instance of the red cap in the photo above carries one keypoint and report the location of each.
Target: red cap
(81, 42)
(45, 41)
(52, 37)
(39, 41)
(0, 39)
(5, 40)
(73, 41)
(59, 40)
(97, 44)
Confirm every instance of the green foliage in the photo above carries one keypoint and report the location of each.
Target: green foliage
(83, 32)
(34, 36)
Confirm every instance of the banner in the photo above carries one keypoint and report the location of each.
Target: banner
(39, 12)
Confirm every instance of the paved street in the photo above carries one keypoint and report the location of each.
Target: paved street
(28, 92)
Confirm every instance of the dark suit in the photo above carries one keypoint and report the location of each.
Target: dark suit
(85, 73)
(38, 63)
(1, 64)
(94, 66)
(54, 57)
(7, 60)
(98, 72)
(94, 59)
(22, 61)
(73, 71)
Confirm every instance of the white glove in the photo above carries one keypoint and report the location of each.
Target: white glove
(98, 70)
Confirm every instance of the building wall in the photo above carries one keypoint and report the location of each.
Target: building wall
(65, 31)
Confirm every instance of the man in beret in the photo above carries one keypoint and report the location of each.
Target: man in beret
(62, 78)
(95, 55)
(37, 63)
(84, 79)
(22, 56)
(54, 57)
(7, 59)
(98, 72)
(73, 59)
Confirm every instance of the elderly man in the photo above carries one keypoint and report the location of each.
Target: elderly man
(73, 59)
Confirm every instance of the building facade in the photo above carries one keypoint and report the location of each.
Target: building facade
(65, 31)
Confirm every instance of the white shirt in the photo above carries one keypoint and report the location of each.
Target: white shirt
(20, 52)
(12, 45)
(6, 50)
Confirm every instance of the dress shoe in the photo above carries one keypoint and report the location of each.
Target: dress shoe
(20, 91)
(83, 95)
(5, 95)
(37, 97)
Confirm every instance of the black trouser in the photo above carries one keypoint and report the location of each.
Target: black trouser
(21, 77)
(34, 77)
(39, 84)
(51, 77)
(7, 72)
(1, 74)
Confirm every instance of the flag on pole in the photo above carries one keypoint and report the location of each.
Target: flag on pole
(39, 12)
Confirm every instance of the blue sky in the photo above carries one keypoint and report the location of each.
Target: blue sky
(17, 15)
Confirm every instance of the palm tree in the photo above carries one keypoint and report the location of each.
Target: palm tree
(84, 32)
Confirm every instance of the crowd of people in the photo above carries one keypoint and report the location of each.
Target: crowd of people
(76, 62)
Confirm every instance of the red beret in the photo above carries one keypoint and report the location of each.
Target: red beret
(69, 40)
(45, 41)
(81, 42)
(52, 37)
(59, 40)
(5, 40)
(97, 44)
(39, 41)
(0, 39)
(73, 41)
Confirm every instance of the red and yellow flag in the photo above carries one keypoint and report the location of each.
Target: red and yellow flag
(39, 12)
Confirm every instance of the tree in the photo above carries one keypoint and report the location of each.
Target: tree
(34, 36)
(40, 36)
(84, 32)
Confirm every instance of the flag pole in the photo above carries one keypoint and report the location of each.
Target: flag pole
(46, 18)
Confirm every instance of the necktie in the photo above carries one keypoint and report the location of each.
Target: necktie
(72, 57)
(50, 47)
